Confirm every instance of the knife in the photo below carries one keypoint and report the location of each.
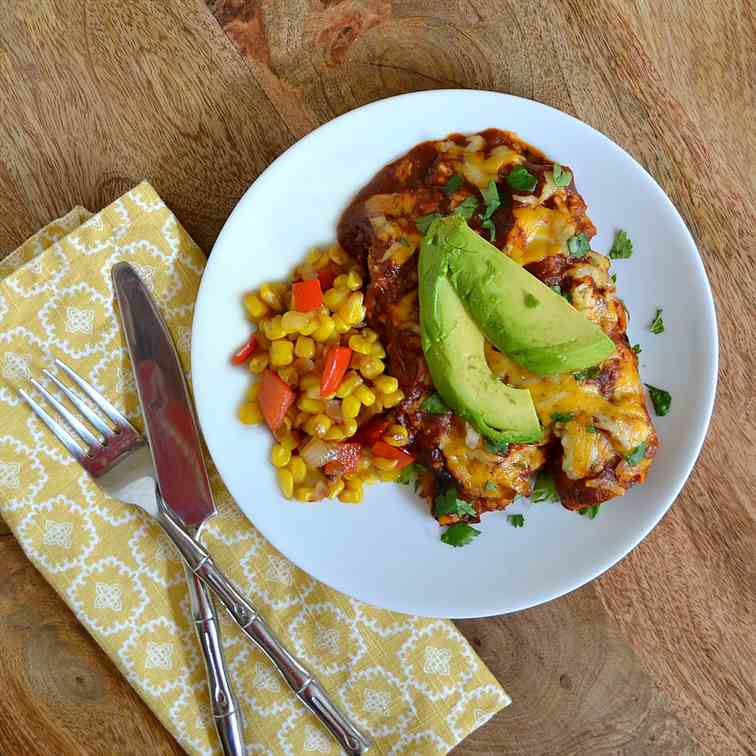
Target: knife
(185, 501)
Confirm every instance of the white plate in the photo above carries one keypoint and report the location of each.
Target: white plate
(386, 551)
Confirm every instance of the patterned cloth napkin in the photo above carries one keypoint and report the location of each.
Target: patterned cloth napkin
(415, 684)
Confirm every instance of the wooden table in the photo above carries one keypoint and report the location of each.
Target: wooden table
(655, 657)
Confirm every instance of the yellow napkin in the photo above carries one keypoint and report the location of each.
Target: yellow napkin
(415, 684)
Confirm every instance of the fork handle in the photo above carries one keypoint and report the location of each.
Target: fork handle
(226, 710)
(305, 686)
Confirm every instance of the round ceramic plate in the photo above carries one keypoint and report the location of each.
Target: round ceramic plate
(386, 551)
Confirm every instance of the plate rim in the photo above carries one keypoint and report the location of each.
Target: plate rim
(703, 417)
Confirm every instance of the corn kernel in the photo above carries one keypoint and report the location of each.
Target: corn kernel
(281, 353)
(271, 297)
(385, 464)
(285, 427)
(338, 255)
(389, 476)
(354, 280)
(292, 321)
(365, 395)
(350, 406)
(325, 329)
(256, 308)
(371, 367)
(396, 435)
(304, 493)
(290, 441)
(340, 324)
(386, 384)
(310, 325)
(352, 311)
(304, 347)
(318, 425)
(377, 350)
(252, 391)
(313, 392)
(334, 433)
(280, 456)
(249, 413)
(350, 497)
(313, 256)
(307, 381)
(340, 282)
(288, 375)
(335, 487)
(301, 418)
(285, 482)
(272, 328)
(360, 345)
(334, 298)
(348, 384)
(313, 406)
(298, 469)
(258, 363)
(349, 426)
(370, 335)
(391, 400)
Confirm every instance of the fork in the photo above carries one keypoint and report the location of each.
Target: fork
(118, 457)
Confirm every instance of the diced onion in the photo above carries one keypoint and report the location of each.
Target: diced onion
(333, 409)
(472, 437)
(316, 453)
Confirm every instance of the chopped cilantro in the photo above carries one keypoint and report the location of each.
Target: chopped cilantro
(410, 473)
(521, 179)
(557, 289)
(516, 520)
(434, 405)
(661, 400)
(530, 300)
(592, 429)
(488, 225)
(637, 348)
(613, 278)
(448, 503)
(452, 184)
(544, 488)
(563, 417)
(657, 324)
(578, 245)
(496, 447)
(492, 199)
(636, 455)
(559, 176)
(423, 223)
(622, 247)
(466, 209)
(490, 486)
(459, 534)
(403, 241)
(590, 512)
(588, 374)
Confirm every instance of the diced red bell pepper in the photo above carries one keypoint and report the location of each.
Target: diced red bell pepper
(347, 460)
(337, 360)
(246, 351)
(307, 295)
(372, 430)
(326, 277)
(274, 397)
(403, 457)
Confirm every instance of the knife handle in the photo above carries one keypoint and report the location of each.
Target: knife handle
(305, 686)
(226, 710)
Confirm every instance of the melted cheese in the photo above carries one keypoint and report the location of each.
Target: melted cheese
(477, 167)
(538, 233)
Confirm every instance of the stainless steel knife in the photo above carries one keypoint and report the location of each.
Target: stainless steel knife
(186, 502)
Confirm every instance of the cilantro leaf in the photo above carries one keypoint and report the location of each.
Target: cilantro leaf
(592, 429)
(491, 197)
(488, 225)
(423, 223)
(622, 247)
(637, 454)
(434, 405)
(496, 447)
(452, 184)
(410, 473)
(560, 176)
(637, 348)
(590, 512)
(562, 417)
(558, 290)
(661, 400)
(516, 520)
(544, 488)
(490, 486)
(657, 324)
(448, 503)
(459, 534)
(578, 245)
(588, 374)
(613, 278)
(521, 179)
(466, 209)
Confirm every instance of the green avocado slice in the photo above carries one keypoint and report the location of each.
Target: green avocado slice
(454, 350)
(517, 313)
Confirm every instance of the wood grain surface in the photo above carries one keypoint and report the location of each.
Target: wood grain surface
(658, 656)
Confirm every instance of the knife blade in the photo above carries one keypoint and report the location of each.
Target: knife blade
(186, 498)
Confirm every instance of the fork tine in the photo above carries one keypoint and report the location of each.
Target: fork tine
(89, 438)
(94, 419)
(58, 430)
(95, 396)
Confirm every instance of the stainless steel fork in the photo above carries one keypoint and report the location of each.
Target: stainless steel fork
(111, 450)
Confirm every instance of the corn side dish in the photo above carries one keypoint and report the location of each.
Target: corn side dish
(320, 382)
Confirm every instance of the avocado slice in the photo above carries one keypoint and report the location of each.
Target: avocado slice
(517, 313)
(454, 350)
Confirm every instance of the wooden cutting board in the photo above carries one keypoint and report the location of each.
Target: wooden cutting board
(655, 657)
